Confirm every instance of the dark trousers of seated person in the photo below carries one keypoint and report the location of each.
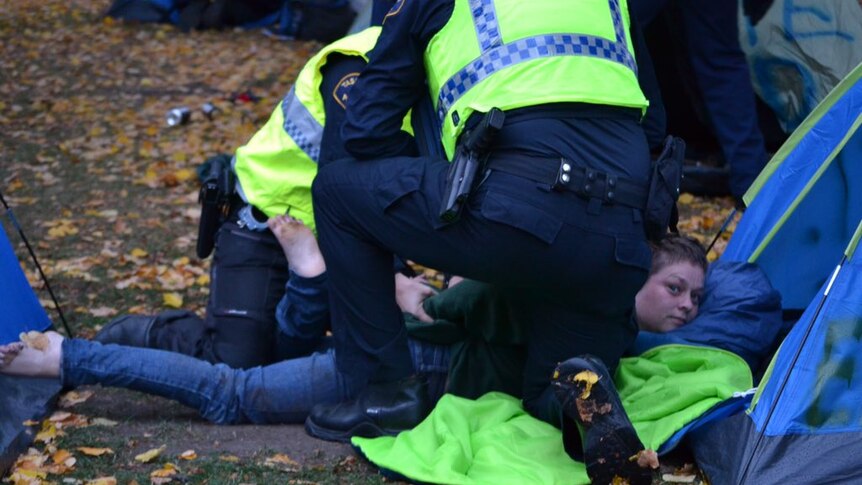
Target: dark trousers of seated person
(575, 270)
(247, 280)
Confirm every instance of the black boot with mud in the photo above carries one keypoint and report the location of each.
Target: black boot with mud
(612, 451)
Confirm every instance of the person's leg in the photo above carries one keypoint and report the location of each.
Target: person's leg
(432, 361)
(278, 393)
(303, 312)
(722, 76)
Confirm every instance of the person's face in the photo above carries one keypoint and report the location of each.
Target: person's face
(670, 297)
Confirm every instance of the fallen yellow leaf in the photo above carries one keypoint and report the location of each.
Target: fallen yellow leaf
(102, 422)
(102, 481)
(173, 300)
(60, 456)
(59, 416)
(189, 455)
(74, 397)
(48, 433)
(168, 470)
(150, 455)
(139, 253)
(281, 460)
(95, 451)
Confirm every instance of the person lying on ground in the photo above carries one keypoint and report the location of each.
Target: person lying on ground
(285, 391)
(278, 393)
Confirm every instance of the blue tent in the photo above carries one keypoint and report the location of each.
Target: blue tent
(803, 227)
(20, 399)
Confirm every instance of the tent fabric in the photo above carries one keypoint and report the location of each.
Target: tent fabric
(803, 228)
(805, 425)
(493, 440)
(21, 309)
(807, 201)
(740, 313)
(20, 399)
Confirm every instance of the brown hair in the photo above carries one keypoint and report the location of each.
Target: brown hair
(675, 248)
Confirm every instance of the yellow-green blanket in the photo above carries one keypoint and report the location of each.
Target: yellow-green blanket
(493, 440)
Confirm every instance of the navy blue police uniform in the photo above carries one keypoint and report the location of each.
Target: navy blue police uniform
(571, 263)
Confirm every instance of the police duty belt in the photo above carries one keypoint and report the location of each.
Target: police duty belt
(561, 174)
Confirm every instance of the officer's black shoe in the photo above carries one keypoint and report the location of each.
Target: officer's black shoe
(383, 409)
(131, 330)
(612, 451)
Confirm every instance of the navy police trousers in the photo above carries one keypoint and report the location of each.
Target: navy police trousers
(573, 271)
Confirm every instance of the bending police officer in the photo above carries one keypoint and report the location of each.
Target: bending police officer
(274, 171)
(571, 249)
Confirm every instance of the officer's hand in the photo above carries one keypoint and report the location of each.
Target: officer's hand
(410, 293)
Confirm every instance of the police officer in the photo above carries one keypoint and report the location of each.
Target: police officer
(557, 214)
(720, 75)
(274, 171)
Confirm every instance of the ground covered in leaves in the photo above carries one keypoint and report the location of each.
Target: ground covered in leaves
(106, 192)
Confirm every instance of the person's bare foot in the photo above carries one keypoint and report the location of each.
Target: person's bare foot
(31, 362)
(9, 352)
(299, 245)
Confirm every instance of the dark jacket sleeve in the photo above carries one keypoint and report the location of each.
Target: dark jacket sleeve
(393, 81)
(337, 73)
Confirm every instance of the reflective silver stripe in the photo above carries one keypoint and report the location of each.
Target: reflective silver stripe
(300, 126)
(485, 21)
(496, 56)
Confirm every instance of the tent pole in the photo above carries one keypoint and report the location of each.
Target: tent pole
(722, 229)
(786, 378)
(38, 266)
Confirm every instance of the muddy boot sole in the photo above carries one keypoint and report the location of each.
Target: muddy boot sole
(612, 449)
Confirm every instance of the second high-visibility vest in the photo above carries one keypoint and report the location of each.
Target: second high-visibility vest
(276, 167)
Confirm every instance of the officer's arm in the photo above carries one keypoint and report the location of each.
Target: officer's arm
(339, 76)
(393, 81)
(655, 122)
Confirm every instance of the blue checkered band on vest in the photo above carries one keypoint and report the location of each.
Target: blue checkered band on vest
(485, 21)
(496, 55)
(300, 126)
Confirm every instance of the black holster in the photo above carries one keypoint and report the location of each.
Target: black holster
(661, 212)
(469, 157)
(215, 196)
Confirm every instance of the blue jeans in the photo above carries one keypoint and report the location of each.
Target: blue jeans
(274, 394)
(283, 392)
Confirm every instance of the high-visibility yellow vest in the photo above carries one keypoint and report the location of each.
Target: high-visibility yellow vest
(526, 53)
(276, 167)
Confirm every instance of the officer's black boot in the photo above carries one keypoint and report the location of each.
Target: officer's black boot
(611, 447)
(131, 330)
(382, 409)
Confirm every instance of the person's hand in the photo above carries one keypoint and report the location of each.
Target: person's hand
(457, 279)
(410, 293)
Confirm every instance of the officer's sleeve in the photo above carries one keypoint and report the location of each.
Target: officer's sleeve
(655, 122)
(393, 81)
(339, 76)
